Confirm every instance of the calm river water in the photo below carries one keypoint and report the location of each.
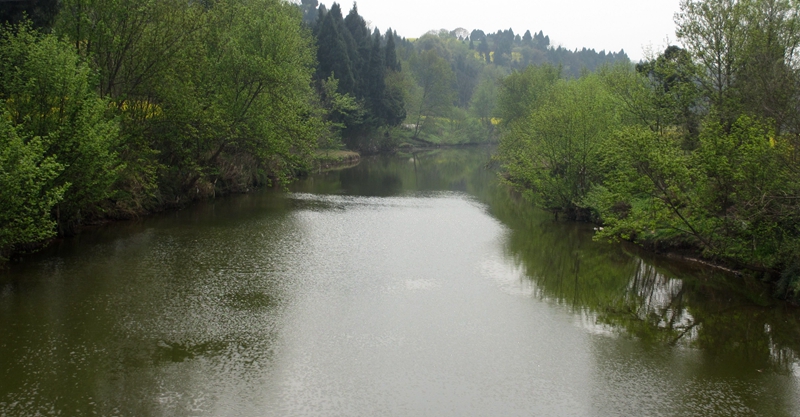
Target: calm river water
(406, 286)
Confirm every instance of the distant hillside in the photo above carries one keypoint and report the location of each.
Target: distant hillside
(381, 89)
(504, 48)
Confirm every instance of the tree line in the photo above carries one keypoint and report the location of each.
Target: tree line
(694, 150)
(440, 88)
(113, 109)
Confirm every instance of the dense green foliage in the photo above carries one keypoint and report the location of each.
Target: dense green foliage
(138, 106)
(364, 65)
(438, 89)
(478, 62)
(695, 149)
(112, 109)
(208, 97)
(557, 150)
(59, 132)
(506, 49)
(26, 198)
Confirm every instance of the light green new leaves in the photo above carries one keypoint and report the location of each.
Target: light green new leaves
(47, 95)
(733, 197)
(26, 196)
(558, 151)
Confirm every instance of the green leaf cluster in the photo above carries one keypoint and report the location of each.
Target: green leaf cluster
(693, 150)
(212, 97)
(26, 196)
(556, 149)
(366, 67)
(136, 106)
(50, 105)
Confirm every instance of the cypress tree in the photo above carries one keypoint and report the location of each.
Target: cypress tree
(527, 38)
(309, 8)
(483, 49)
(322, 11)
(332, 53)
(376, 87)
(393, 103)
(477, 35)
(391, 52)
(357, 28)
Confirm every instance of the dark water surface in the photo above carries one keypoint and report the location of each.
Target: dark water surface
(406, 286)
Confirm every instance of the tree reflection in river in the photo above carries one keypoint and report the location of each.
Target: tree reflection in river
(651, 298)
(615, 287)
(251, 303)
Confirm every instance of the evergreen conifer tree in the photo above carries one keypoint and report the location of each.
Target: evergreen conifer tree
(391, 52)
(376, 86)
(483, 49)
(527, 38)
(332, 53)
(357, 28)
(309, 8)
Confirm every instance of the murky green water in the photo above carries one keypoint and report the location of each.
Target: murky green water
(402, 287)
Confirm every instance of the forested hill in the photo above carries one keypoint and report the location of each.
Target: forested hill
(507, 49)
(441, 86)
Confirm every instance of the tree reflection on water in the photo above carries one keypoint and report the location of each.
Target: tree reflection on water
(615, 286)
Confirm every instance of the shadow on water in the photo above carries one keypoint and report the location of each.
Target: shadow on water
(616, 287)
(95, 322)
(654, 299)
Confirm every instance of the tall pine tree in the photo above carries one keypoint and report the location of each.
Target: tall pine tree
(391, 52)
(333, 53)
(357, 28)
(393, 101)
(376, 87)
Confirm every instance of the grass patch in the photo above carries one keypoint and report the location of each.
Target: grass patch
(333, 158)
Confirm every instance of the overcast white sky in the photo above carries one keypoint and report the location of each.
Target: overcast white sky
(608, 25)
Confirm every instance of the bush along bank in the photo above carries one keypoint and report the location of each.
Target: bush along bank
(121, 109)
(671, 153)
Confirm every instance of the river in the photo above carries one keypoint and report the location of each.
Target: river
(409, 285)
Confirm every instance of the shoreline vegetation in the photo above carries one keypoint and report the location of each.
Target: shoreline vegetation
(110, 111)
(692, 151)
(327, 160)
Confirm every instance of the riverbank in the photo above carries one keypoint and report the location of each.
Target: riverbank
(323, 160)
(691, 243)
(423, 145)
(399, 284)
(328, 159)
